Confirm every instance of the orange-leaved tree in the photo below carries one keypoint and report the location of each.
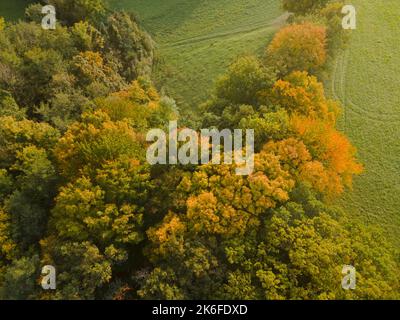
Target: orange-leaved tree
(298, 47)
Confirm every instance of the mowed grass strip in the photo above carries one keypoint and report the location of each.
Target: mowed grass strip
(367, 81)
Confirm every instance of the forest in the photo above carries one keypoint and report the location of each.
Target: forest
(77, 192)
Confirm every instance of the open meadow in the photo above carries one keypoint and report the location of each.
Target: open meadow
(366, 80)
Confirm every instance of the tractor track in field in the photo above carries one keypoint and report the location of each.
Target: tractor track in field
(340, 67)
(219, 35)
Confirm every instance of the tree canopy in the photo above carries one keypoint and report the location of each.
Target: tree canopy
(298, 47)
(77, 193)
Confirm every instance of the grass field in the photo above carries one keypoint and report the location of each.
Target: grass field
(366, 79)
(198, 39)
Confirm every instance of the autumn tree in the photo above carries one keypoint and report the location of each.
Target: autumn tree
(77, 193)
(298, 47)
(28, 182)
(99, 217)
(55, 75)
(19, 279)
(96, 225)
(95, 75)
(97, 220)
(331, 17)
(242, 100)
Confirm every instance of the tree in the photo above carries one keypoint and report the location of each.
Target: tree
(72, 11)
(108, 191)
(55, 75)
(34, 70)
(302, 94)
(106, 210)
(27, 186)
(7, 245)
(38, 68)
(337, 37)
(117, 127)
(335, 156)
(299, 47)
(96, 226)
(91, 70)
(245, 80)
(189, 245)
(290, 249)
(140, 105)
(9, 107)
(242, 100)
(81, 269)
(86, 37)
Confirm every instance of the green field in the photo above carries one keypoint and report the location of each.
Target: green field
(366, 79)
(13, 9)
(198, 39)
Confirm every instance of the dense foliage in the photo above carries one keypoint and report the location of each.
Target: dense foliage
(303, 6)
(76, 191)
(55, 75)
